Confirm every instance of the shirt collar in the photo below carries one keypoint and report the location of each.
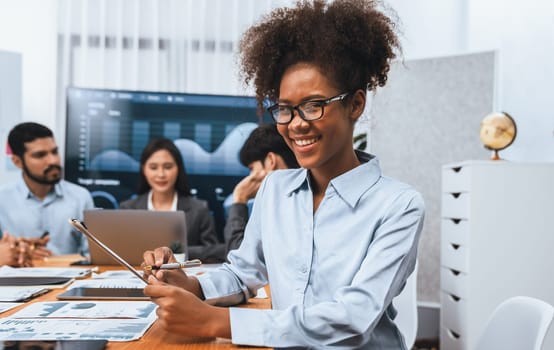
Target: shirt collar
(299, 179)
(150, 205)
(351, 185)
(26, 193)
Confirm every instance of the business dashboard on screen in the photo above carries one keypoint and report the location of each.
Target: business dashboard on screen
(107, 130)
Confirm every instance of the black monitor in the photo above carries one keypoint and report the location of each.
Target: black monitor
(107, 129)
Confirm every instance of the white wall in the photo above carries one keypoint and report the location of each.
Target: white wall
(29, 27)
(10, 108)
(523, 34)
(432, 28)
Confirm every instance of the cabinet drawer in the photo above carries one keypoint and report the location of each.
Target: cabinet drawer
(454, 282)
(455, 205)
(453, 313)
(455, 256)
(455, 231)
(456, 179)
(450, 340)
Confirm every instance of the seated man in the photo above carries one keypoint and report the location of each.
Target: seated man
(37, 207)
(263, 151)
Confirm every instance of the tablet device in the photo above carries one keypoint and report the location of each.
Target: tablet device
(92, 238)
(84, 293)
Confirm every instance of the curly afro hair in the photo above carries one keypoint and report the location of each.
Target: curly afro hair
(351, 41)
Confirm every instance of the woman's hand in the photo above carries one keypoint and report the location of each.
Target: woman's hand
(156, 257)
(180, 311)
(175, 277)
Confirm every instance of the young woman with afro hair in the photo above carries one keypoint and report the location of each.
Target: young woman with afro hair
(335, 240)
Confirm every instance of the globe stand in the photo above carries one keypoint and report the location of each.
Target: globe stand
(494, 155)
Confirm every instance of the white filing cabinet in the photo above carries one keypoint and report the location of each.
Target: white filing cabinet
(497, 241)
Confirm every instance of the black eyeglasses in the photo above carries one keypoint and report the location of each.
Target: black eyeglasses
(308, 110)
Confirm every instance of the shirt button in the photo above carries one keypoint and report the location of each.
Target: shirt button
(303, 268)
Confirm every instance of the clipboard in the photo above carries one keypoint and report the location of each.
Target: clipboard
(80, 226)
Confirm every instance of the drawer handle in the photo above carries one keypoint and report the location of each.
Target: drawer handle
(456, 194)
(457, 169)
(456, 221)
(453, 334)
(454, 272)
(454, 297)
(455, 246)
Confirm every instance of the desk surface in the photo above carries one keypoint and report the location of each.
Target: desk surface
(155, 337)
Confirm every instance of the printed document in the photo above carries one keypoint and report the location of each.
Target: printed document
(114, 321)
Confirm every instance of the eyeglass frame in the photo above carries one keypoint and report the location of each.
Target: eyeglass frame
(325, 102)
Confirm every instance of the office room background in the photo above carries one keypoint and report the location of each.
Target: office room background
(190, 46)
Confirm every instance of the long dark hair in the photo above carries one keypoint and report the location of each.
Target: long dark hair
(181, 184)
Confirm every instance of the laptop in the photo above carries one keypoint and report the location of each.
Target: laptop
(131, 232)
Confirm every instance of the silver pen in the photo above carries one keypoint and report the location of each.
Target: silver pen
(173, 266)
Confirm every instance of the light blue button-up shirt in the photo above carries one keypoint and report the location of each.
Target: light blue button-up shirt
(24, 215)
(333, 274)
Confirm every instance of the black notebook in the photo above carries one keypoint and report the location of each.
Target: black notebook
(83, 293)
(33, 281)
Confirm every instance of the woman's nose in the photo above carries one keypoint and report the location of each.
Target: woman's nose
(297, 121)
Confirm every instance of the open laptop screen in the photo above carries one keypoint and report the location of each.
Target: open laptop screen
(129, 233)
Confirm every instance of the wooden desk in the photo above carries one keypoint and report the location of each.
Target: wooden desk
(155, 337)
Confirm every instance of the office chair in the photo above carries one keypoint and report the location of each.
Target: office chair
(406, 305)
(517, 323)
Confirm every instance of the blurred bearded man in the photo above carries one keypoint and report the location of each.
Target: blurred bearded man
(36, 207)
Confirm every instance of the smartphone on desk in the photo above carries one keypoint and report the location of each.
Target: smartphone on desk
(95, 344)
(84, 293)
(81, 263)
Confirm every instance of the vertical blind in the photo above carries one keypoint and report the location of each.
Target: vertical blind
(155, 45)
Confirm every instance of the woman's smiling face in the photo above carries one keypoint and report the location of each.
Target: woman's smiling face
(324, 144)
(161, 171)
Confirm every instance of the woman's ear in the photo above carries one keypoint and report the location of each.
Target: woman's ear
(357, 104)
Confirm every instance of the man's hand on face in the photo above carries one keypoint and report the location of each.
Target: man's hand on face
(248, 187)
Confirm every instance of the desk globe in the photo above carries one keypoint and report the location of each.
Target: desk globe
(498, 131)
